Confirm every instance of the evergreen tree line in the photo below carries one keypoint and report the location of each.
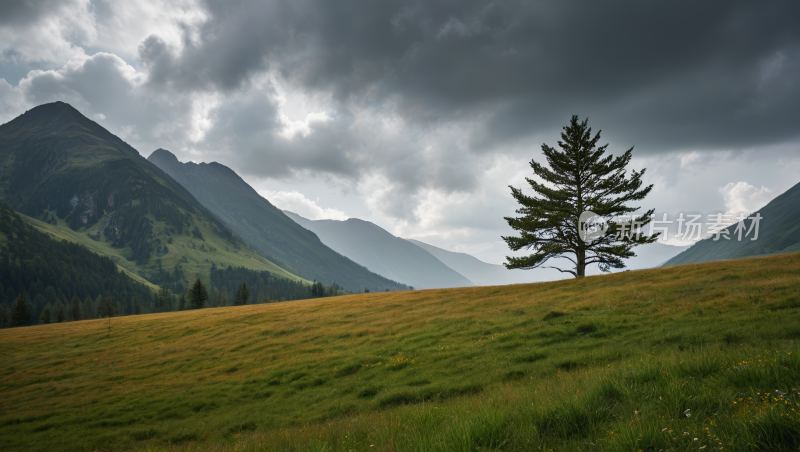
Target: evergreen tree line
(251, 287)
(263, 286)
(65, 279)
(43, 280)
(172, 279)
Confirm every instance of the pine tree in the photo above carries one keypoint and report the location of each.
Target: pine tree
(21, 313)
(318, 290)
(75, 308)
(44, 317)
(88, 311)
(107, 307)
(584, 191)
(242, 294)
(198, 296)
(58, 311)
(163, 299)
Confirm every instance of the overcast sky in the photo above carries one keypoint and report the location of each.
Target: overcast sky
(418, 115)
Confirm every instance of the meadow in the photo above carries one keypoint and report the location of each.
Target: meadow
(694, 357)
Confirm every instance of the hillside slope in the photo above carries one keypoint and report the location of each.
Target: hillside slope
(383, 253)
(50, 272)
(779, 232)
(61, 168)
(617, 361)
(265, 227)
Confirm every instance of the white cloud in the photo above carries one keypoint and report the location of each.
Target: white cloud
(57, 31)
(296, 202)
(743, 197)
(12, 102)
(47, 32)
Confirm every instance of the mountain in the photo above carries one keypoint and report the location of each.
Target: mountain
(266, 228)
(485, 274)
(86, 185)
(383, 253)
(479, 272)
(778, 232)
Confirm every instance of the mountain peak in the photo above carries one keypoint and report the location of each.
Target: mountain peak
(50, 113)
(163, 155)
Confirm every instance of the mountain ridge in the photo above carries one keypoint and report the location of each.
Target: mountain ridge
(383, 253)
(266, 228)
(479, 272)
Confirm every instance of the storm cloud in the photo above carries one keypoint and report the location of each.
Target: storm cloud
(424, 110)
(661, 75)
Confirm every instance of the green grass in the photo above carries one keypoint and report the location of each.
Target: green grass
(646, 360)
(195, 256)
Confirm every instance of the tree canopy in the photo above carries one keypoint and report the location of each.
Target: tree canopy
(580, 210)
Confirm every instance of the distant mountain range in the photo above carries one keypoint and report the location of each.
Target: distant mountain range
(426, 266)
(778, 232)
(479, 272)
(267, 229)
(383, 253)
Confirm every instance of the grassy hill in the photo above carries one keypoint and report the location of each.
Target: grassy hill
(68, 172)
(266, 228)
(683, 358)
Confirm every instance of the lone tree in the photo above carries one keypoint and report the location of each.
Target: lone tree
(198, 296)
(242, 294)
(21, 313)
(580, 212)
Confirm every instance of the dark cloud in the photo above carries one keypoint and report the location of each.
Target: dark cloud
(249, 128)
(660, 75)
(20, 13)
(457, 80)
(223, 52)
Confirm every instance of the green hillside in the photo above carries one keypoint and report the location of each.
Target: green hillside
(779, 232)
(696, 357)
(266, 228)
(51, 272)
(86, 185)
